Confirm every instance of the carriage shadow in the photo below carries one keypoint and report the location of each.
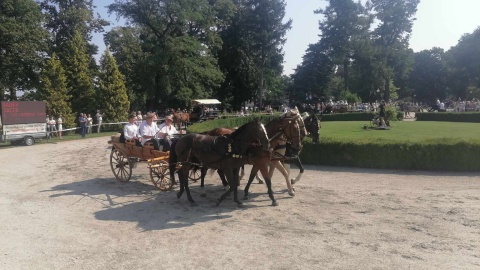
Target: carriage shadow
(149, 208)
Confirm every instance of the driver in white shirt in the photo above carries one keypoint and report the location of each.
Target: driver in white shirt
(166, 132)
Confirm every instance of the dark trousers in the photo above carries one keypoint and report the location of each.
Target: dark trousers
(156, 146)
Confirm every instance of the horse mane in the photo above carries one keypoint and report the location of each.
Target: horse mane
(241, 129)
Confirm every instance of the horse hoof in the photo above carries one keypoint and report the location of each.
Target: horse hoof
(291, 194)
(246, 198)
(203, 195)
(274, 203)
(293, 181)
(240, 205)
(261, 182)
(179, 195)
(193, 204)
(217, 203)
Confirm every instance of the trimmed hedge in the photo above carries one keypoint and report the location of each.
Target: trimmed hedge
(472, 117)
(436, 155)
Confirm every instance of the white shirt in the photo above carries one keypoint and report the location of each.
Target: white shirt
(59, 121)
(148, 130)
(442, 106)
(170, 130)
(130, 131)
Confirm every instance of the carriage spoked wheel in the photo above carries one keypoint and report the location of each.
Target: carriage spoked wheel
(160, 175)
(195, 174)
(121, 165)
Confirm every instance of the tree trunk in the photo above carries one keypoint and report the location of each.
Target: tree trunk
(345, 73)
(13, 93)
(386, 94)
(262, 90)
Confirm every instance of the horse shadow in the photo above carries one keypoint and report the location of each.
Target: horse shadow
(144, 205)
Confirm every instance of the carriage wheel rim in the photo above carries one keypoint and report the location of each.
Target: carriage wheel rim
(160, 176)
(120, 165)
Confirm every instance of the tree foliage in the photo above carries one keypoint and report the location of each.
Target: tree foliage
(112, 93)
(54, 91)
(22, 42)
(79, 79)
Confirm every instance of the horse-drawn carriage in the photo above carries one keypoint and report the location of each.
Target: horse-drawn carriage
(125, 156)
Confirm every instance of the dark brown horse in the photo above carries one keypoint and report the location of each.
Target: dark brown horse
(227, 153)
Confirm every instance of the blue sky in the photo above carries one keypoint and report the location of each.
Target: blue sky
(440, 23)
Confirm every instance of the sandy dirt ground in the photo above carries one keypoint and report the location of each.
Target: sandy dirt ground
(61, 208)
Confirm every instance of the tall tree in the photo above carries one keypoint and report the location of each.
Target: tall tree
(65, 18)
(345, 23)
(112, 92)
(266, 35)
(465, 64)
(429, 76)
(392, 35)
(53, 90)
(79, 80)
(126, 47)
(179, 38)
(22, 42)
(313, 75)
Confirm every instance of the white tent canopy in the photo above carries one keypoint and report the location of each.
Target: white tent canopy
(206, 101)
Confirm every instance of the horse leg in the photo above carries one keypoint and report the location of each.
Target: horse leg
(300, 166)
(181, 179)
(230, 180)
(264, 171)
(242, 174)
(235, 179)
(203, 173)
(253, 173)
(224, 180)
(187, 189)
(278, 165)
(260, 181)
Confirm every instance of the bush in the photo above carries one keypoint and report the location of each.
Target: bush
(437, 155)
(472, 117)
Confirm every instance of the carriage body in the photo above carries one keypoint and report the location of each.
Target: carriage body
(125, 157)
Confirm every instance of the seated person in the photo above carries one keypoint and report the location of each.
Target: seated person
(166, 131)
(149, 131)
(130, 130)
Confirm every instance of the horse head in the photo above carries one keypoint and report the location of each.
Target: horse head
(252, 133)
(291, 129)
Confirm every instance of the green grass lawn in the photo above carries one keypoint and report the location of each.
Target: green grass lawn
(411, 131)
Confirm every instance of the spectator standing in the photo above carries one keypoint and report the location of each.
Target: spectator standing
(99, 117)
(53, 126)
(139, 116)
(89, 124)
(83, 124)
(60, 126)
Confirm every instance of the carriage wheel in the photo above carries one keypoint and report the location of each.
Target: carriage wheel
(160, 176)
(195, 174)
(121, 165)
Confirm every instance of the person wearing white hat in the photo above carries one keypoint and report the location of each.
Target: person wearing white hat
(149, 131)
(166, 132)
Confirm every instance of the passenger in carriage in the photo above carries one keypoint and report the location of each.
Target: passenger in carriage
(130, 131)
(149, 131)
(167, 130)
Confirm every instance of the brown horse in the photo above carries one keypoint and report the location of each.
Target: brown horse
(219, 152)
(280, 131)
(181, 119)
